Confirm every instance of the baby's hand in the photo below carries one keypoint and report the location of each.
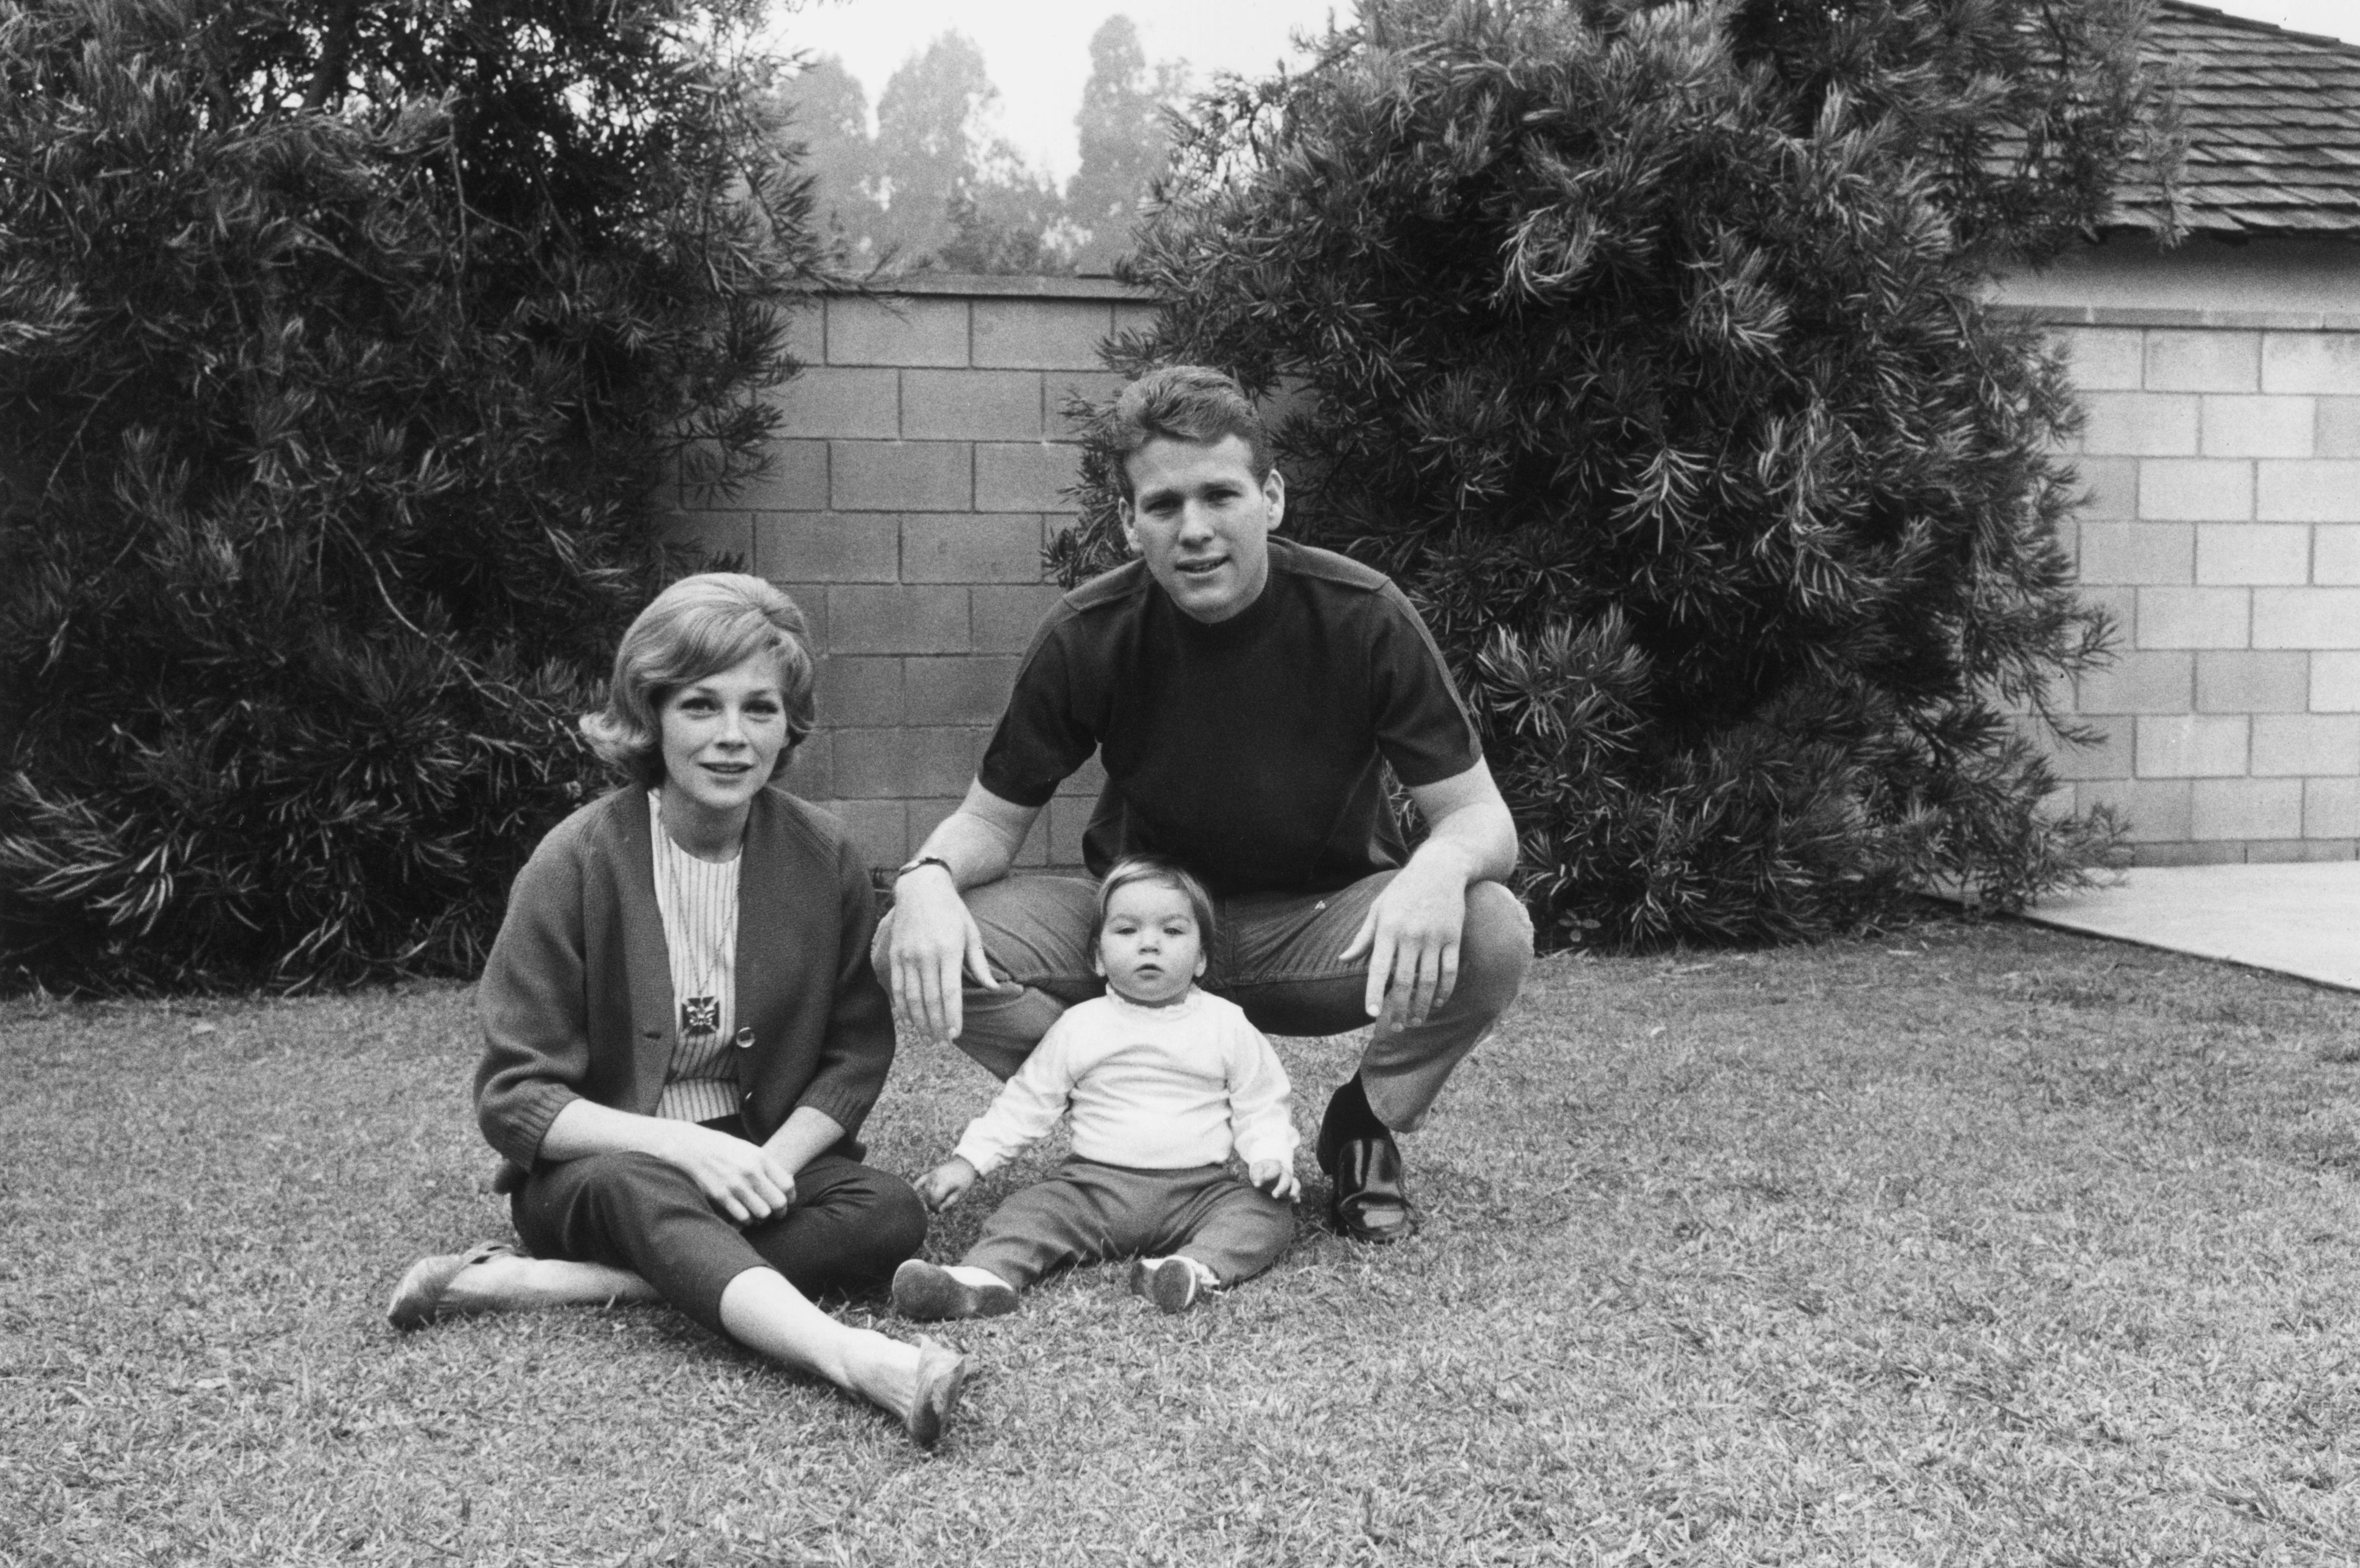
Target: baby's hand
(947, 1183)
(1275, 1177)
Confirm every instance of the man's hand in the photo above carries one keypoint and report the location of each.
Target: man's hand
(946, 1185)
(1411, 938)
(742, 1179)
(935, 941)
(1275, 1177)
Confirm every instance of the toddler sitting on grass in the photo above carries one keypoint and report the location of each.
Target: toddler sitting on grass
(1165, 1082)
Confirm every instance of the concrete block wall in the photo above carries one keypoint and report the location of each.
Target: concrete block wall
(2221, 452)
(922, 463)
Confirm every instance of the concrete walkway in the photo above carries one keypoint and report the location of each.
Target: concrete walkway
(2298, 918)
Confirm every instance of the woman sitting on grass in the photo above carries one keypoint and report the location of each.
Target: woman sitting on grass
(683, 1034)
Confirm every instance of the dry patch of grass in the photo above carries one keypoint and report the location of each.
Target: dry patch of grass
(1964, 1245)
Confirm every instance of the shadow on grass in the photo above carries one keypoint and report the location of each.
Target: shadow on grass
(1962, 1245)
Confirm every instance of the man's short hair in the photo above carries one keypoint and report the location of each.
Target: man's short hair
(1183, 402)
(694, 629)
(1158, 872)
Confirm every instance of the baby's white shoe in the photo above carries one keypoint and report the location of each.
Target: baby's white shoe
(928, 1292)
(1173, 1284)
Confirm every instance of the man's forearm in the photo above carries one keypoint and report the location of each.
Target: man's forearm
(980, 841)
(1479, 840)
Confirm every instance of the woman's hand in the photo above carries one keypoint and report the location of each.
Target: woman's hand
(1276, 1177)
(947, 1183)
(744, 1180)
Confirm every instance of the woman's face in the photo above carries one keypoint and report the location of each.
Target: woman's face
(723, 735)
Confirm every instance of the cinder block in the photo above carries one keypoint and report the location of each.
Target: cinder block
(2307, 617)
(2138, 683)
(900, 476)
(2275, 852)
(2317, 491)
(1069, 820)
(1136, 318)
(2187, 854)
(2260, 427)
(1032, 476)
(2325, 362)
(827, 546)
(1006, 617)
(1059, 392)
(2138, 553)
(2108, 758)
(857, 693)
(2325, 744)
(2198, 490)
(715, 533)
(873, 765)
(2104, 359)
(879, 827)
(2157, 809)
(971, 404)
(1041, 334)
(907, 331)
(807, 331)
(2339, 427)
(966, 547)
(2335, 682)
(2193, 617)
(812, 766)
(811, 598)
(971, 691)
(2203, 361)
(2113, 487)
(942, 761)
(2141, 424)
(2245, 808)
(826, 401)
(795, 479)
(2252, 552)
(901, 619)
(2244, 683)
(2319, 849)
(2191, 745)
(2119, 603)
(2330, 808)
(2335, 555)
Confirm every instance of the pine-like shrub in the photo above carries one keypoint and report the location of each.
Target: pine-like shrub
(1644, 345)
(345, 352)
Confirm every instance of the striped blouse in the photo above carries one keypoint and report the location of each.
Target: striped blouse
(698, 901)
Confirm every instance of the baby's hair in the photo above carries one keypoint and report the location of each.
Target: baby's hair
(1161, 872)
(694, 629)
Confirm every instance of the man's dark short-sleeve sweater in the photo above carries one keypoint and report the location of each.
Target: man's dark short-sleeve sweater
(1246, 750)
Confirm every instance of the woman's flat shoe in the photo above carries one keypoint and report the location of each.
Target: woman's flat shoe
(418, 1299)
(942, 1373)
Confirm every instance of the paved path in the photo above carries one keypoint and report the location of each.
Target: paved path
(2298, 918)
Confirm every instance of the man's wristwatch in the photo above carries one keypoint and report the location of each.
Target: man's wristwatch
(909, 865)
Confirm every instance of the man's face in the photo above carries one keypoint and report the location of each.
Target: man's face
(1203, 522)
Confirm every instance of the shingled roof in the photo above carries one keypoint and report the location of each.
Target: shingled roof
(2273, 121)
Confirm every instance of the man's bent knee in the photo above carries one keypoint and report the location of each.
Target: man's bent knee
(1495, 947)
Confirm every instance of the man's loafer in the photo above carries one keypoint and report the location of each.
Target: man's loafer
(1368, 1201)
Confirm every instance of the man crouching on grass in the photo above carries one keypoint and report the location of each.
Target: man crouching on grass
(1244, 694)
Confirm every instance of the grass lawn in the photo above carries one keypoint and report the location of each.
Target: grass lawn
(1968, 1244)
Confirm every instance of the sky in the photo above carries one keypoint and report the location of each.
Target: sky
(1038, 51)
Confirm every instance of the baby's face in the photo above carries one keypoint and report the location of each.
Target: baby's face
(1150, 949)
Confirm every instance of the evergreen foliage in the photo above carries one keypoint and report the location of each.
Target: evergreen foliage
(349, 349)
(1643, 343)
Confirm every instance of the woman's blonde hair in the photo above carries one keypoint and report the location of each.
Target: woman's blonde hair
(699, 626)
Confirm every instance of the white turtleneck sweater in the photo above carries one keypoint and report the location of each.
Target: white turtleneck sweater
(1155, 1088)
